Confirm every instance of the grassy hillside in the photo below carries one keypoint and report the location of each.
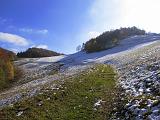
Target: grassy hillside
(110, 39)
(36, 53)
(89, 96)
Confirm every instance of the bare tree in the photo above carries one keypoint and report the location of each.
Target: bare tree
(78, 48)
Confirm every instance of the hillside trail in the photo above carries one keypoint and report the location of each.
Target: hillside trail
(138, 66)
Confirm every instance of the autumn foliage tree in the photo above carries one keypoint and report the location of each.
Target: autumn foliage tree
(6, 68)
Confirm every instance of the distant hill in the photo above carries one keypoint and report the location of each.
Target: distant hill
(111, 38)
(36, 53)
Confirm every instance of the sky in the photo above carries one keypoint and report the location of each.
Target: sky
(62, 25)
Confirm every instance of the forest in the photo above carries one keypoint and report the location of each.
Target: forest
(36, 53)
(111, 39)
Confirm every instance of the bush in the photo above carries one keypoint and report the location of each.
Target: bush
(110, 39)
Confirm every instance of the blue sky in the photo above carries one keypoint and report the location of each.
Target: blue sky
(52, 23)
(61, 25)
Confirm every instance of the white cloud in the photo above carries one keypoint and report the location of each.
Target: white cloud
(93, 34)
(35, 31)
(142, 13)
(104, 14)
(2, 20)
(14, 50)
(26, 30)
(112, 14)
(41, 46)
(12, 38)
(44, 31)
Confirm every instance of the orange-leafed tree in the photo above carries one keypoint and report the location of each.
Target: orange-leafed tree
(6, 68)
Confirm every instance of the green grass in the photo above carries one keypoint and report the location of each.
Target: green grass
(74, 100)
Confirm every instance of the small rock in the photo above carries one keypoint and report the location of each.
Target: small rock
(98, 103)
(140, 90)
(142, 111)
(155, 112)
(19, 113)
(48, 98)
(40, 103)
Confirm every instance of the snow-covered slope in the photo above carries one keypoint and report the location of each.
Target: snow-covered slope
(125, 46)
(132, 59)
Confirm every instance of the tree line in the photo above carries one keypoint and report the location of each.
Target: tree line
(111, 38)
(36, 53)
